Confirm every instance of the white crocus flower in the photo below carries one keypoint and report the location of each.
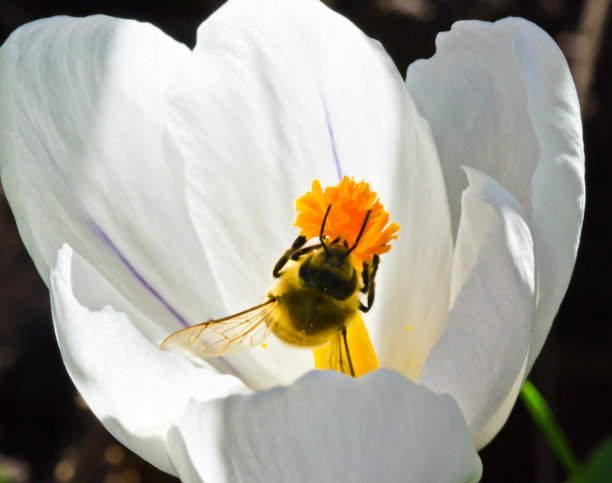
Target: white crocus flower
(154, 187)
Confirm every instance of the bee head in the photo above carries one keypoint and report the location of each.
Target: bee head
(330, 271)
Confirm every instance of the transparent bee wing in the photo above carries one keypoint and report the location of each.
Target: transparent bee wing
(337, 357)
(228, 335)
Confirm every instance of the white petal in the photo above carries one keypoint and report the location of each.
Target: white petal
(413, 282)
(487, 333)
(499, 418)
(500, 98)
(272, 364)
(83, 161)
(472, 94)
(133, 387)
(327, 427)
(277, 94)
(558, 182)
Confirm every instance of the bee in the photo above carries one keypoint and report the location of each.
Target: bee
(315, 300)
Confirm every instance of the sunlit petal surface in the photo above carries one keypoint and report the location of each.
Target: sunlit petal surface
(256, 116)
(136, 390)
(327, 427)
(499, 97)
(82, 159)
(490, 320)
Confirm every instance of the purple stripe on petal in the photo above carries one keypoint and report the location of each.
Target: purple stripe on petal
(332, 139)
(101, 234)
(222, 365)
(221, 362)
(97, 230)
(43, 145)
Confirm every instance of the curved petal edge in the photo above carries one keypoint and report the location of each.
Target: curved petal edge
(488, 329)
(133, 387)
(327, 427)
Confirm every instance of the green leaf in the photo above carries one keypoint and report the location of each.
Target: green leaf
(5, 476)
(546, 422)
(598, 468)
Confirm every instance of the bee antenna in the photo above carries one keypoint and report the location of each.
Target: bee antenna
(365, 222)
(322, 230)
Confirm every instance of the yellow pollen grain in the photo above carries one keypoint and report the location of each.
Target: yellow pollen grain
(264, 345)
(409, 327)
(412, 362)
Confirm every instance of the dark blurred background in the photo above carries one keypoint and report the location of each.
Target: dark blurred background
(48, 434)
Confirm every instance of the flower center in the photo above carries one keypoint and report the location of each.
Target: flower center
(350, 202)
(348, 215)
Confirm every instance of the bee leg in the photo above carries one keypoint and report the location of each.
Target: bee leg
(297, 244)
(348, 354)
(302, 251)
(375, 263)
(366, 308)
(365, 277)
(368, 281)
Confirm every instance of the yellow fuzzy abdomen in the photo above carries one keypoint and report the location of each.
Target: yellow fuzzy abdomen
(308, 317)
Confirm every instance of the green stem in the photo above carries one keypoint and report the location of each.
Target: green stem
(545, 420)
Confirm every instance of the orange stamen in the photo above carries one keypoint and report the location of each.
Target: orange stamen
(350, 202)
